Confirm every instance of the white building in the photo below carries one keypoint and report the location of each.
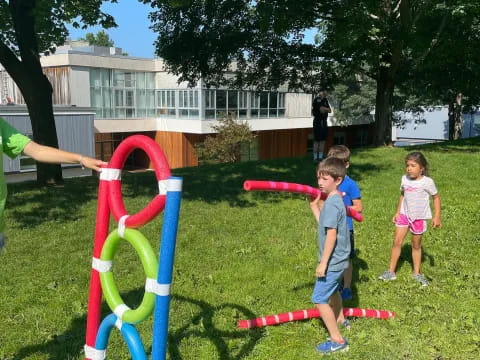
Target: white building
(135, 95)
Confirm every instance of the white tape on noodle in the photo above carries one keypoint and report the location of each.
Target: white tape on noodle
(152, 286)
(94, 354)
(102, 266)
(364, 313)
(277, 319)
(305, 314)
(290, 316)
(120, 310)
(174, 185)
(109, 174)
(119, 324)
(162, 187)
(121, 226)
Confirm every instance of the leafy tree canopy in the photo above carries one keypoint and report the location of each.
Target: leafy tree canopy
(29, 28)
(99, 39)
(421, 47)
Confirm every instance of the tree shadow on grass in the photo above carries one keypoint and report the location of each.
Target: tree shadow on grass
(224, 182)
(358, 265)
(32, 205)
(209, 183)
(202, 325)
(69, 344)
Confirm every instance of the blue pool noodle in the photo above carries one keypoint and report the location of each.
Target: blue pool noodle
(166, 259)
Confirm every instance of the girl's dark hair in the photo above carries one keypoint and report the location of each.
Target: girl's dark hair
(418, 157)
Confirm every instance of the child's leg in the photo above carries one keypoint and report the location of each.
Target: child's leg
(347, 275)
(330, 320)
(400, 233)
(416, 253)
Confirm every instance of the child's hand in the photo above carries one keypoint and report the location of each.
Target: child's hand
(320, 270)
(394, 219)
(436, 222)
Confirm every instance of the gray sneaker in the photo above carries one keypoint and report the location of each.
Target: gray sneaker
(421, 279)
(388, 275)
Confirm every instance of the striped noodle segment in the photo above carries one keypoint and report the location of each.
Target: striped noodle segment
(254, 185)
(309, 314)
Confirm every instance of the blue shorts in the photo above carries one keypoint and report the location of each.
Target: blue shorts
(326, 287)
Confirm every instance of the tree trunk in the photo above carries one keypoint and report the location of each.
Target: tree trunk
(34, 85)
(38, 97)
(455, 122)
(383, 110)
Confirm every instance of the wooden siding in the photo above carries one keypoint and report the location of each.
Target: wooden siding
(179, 148)
(106, 143)
(58, 77)
(282, 143)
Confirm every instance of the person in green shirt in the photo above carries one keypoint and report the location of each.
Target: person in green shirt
(14, 143)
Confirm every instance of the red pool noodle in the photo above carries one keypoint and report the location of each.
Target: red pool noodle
(252, 185)
(309, 314)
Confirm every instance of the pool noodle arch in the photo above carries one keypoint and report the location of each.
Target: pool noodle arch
(110, 202)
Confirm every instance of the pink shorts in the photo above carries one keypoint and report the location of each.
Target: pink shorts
(416, 227)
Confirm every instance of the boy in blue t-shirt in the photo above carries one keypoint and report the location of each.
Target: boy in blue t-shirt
(352, 198)
(333, 251)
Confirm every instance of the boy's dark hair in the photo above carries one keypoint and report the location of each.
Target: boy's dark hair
(418, 157)
(340, 152)
(332, 166)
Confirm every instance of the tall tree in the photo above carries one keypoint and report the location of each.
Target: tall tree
(264, 42)
(100, 39)
(29, 28)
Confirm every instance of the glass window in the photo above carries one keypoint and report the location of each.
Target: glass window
(95, 78)
(281, 100)
(273, 101)
(150, 80)
(264, 100)
(106, 77)
(209, 99)
(119, 79)
(242, 100)
(129, 102)
(232, 99)
(119, 98)
(221, 99)
(129, 79)
(140, 83)
(255, 100)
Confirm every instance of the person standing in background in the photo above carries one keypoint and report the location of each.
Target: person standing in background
(320, 110)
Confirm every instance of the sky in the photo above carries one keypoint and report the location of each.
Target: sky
(133, 34)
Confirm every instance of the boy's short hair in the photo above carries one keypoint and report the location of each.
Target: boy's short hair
(332, 166)
(340, 152)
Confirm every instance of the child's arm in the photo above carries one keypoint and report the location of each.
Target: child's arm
(436, 222)
(399, 206)
(330, 241)
(316, 206)
(357, 205)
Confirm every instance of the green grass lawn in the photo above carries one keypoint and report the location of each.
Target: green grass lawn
(242, 255)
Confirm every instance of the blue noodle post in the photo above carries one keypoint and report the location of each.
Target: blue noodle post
(129, 333)
(166, 259)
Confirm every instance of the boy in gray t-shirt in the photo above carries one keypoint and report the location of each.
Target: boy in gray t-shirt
(333, 251)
